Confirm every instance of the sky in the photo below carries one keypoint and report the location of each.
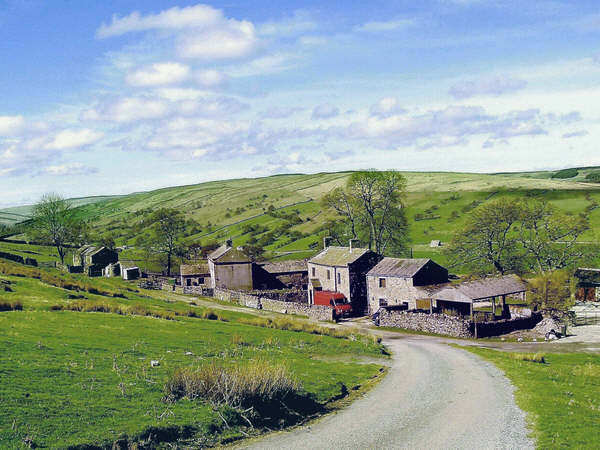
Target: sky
(114, 97)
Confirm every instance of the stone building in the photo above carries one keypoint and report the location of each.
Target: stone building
(195, 275)
(407, 282)
(230, 268)
(94, 259)
(588, 285)
(342, 269)
(280, 275)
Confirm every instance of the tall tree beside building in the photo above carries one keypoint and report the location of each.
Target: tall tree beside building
(55, 223)
(166, 232)
(488, 240)
(371, 209)
(552, 291)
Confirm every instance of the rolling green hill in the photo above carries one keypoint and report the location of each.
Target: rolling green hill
(283, 213)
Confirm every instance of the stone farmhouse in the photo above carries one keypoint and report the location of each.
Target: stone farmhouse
(93, 260)
(230, 268)
(194, 275)
(407, 282)
(342, 270)
(280, 275)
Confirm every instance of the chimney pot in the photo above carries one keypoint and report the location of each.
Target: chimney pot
(229, 243)
(326, 241)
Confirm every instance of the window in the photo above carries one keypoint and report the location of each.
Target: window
(313, 271)
(328, 274)
(339, 277)
(382, 302)
(200, 280)
(382, 282)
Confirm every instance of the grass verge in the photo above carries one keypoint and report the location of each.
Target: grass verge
(559, 392)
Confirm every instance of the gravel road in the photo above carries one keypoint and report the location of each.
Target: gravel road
(434, 397)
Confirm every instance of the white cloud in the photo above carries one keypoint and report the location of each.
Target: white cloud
(70, 169)
(575, 134)
(10, 124)
(383, 26)
(234, 39)
(198, 16)
(496, 85)
(300, 22)
(159, 74)
(281, 112)
(71, 138)
(128, 109)
(386, 107)
(210, 77)
(325, 111)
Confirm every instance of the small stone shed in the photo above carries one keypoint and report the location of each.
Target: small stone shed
(194, 274)
(588, 285)
(131, 273)
(94, 259)
(230, 268)
(344, 270)
(281, 275)
(461, 297)
(408, 282)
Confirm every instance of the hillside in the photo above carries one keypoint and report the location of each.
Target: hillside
(283, 213)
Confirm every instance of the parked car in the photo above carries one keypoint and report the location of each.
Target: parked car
(335, 300)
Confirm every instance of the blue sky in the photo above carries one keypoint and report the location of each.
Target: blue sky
(119, 96)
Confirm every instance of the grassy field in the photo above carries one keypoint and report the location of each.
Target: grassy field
(561, 396)
(84, 378)
(437, 204)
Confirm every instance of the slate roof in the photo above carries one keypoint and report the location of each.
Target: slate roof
(482, 289)
(225, 254)
(588, 275)
(338, 256)
(89, 250)
(397, 267)
(194, 269)
(285, 266)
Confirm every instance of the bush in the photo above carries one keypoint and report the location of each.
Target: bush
(593, 177)
(11, 306)
(566, 173)
(533, 357)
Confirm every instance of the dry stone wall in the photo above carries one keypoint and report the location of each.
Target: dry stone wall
(316, 312)
(429, 323)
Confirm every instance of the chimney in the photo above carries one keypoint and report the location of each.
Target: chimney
(229, 243)
(326, 241)
(354, 243)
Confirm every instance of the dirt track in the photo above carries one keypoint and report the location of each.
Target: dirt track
(434, 396)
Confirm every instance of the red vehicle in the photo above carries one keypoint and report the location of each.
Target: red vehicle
(335, 300)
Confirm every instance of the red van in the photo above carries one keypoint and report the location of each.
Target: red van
(335, 300)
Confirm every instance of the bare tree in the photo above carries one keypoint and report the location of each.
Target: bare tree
(55, 223)
(166, 233)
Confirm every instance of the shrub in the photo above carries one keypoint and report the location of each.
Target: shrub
(11, 306)
(533, 357)
(566, 173)
(593, 177)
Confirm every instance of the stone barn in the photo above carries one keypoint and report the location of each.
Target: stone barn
(280, 275)
(94, 259)
(131, 273)
(230, 268)
(588, 285)
(194, 274)
(343, 270)
(404, 282)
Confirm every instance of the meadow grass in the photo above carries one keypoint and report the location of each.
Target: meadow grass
(559, 392)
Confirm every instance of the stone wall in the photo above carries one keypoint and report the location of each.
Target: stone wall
(283, 295)
(254, 301)
(429, 323)
(453, 325)
(198, 290)
(19, 259)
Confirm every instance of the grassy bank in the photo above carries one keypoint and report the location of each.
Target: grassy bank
(559, 392)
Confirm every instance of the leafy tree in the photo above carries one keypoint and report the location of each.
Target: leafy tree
(488, 239)
(254, 252)
(371, 209)
(552, 291)
(55, 223)
(550, 237)
(165, 234)
(108, 241)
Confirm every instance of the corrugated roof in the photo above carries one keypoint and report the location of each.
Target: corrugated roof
(285, 266)
(338, 256)
(226, 254)
(484, 288)
(398, 267)
(194, 269)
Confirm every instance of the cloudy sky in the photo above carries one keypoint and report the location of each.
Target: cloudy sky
(119, 96)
